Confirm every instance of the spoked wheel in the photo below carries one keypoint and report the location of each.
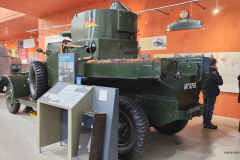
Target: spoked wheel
(12, 105)
(125, 129)
(133, 129)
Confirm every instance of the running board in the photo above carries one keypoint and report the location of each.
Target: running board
(28, 102)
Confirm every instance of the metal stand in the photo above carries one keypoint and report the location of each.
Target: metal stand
(60, 143)
(40, 150)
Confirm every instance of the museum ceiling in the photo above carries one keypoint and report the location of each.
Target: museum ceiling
(21, 16)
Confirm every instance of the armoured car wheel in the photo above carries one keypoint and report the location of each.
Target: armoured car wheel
(12, 105)
(37, 79)
(133, 129)
(173, 127)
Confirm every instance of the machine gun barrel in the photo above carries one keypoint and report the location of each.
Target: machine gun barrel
(90, 47)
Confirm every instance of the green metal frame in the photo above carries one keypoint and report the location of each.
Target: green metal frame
(27, 103)
(19, 84)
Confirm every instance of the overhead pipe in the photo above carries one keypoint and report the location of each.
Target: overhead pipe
(179, 4)
(53, 27)
(148, 10)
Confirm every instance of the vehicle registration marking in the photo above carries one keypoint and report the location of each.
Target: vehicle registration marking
(189, 86)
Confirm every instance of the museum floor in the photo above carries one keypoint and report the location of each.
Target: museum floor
(18, 140)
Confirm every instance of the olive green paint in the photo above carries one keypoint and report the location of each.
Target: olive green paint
(19, 84)
(155, 85)
(123, 70)
(27, 103)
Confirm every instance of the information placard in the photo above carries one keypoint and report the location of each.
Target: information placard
(29, 43)
(67, 67)
(153, 43)
(65, 95)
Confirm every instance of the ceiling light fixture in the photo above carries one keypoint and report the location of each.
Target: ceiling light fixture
(147, 18)
(216, 10)
(191, 9)
(167, 30)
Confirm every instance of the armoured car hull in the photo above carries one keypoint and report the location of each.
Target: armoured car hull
(163, 93)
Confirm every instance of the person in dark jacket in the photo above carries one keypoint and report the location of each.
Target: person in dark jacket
(239, 89)
(210, 92)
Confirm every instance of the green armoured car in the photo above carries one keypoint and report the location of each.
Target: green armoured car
(160, 93)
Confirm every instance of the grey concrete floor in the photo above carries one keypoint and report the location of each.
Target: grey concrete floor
(18, 140)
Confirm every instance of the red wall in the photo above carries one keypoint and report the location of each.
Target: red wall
(221, 33)
(10, 45)
(14, 44)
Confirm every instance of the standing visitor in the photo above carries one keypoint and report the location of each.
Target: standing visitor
(239, 89)
(210, 92)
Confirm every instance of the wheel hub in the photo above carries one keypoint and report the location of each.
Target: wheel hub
(33, 78)
(125, 130)
(9, 97)
(120, 127)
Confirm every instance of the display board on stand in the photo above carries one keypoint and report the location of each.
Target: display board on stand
(75, 99)
(229, 68)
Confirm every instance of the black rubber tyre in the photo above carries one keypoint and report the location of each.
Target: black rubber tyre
(173, 127)
(133, 129)
(37, 79)
(12, 105)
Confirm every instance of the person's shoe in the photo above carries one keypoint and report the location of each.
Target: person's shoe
(210, 126)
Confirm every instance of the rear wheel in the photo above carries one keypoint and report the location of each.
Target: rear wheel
(133, 129)
(173, 127)
(12, 104)
(37, 79)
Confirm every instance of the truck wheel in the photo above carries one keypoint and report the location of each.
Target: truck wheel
(173, 127)
(133, 128)
(12, 105)
(37, 79)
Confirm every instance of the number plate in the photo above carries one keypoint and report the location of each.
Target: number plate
(189, 86)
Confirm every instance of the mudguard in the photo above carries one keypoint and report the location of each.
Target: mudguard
(19, 83)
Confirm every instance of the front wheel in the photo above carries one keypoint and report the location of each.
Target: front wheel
(12, 104)
(173, 127)
(37, 79)
(133, 129)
